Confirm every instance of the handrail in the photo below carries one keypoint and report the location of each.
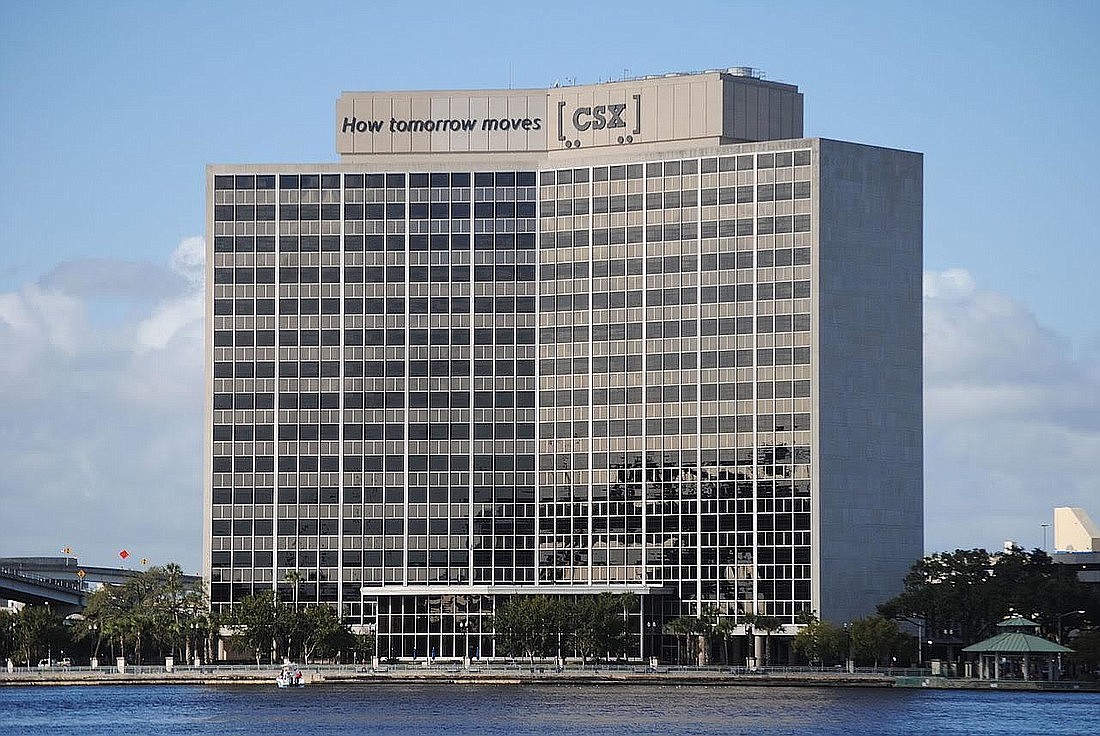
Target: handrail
(63, 584)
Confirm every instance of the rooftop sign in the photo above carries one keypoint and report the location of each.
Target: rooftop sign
(708, 107)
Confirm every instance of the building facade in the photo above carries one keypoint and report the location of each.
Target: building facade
(1077, 543)
(637, 337)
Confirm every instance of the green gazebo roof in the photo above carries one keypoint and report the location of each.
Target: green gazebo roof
(1018, 622)
(1016, 642)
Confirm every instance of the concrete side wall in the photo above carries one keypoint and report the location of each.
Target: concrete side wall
(869, 375)
(756, 112)
(208, 385)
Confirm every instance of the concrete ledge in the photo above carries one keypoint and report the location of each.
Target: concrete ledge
(546, 676)
(512, 675)
(965, 683)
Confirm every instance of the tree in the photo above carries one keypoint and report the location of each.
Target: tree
(1086, 653)
(691, 628)
(708, 629)
(598, 625)
(37, 630)
(820, 641)
(98, 621)
(724, 630)
(967, 592)
(289, 628)
(364, 646)
(294, 578)
(267, 626)
(7, 634)
(323, 632)
(769, 624)
(202, 627)
(877, 639)
(183, 610)
(593, 626)
(254, 621)
(342, 642)
(530, 626)
(1035, 586)
(154, 612)
(949, 590)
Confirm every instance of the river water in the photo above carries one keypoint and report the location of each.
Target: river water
(335, 710)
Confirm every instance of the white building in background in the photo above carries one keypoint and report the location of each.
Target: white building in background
(638, 336)
(1077, 543)
(1075, 531)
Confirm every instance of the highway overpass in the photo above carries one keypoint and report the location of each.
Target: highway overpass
(65, 597)
(60, 581)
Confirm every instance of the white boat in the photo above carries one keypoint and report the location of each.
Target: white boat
(290, 676)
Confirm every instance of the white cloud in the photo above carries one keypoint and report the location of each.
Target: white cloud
(1012, 418)
(172, 317)
(41, 318)
(977, 335)
(158, 329)
(101, 413)
(106, 278)
(189, 261)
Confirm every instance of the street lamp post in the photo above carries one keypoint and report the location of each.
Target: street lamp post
(464, 627)
(920, 642)
(560, 662)
(626, 628)
(652, 628)
(1060, 617)
(49, 644)
(848, 637)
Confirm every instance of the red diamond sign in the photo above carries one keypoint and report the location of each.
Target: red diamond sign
(124, 554)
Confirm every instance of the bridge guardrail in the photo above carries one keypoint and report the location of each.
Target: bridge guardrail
(63, 584)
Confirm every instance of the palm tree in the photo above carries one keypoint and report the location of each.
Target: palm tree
(768, 624)
(294, 577)
(154, 611)
(687, 626)
(724, 630)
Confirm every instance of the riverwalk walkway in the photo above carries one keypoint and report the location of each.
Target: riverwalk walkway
(476, 674)
(498, 673)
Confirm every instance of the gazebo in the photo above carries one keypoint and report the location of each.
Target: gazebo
(1017, 653)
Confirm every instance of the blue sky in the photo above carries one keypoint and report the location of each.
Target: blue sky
(111, 111)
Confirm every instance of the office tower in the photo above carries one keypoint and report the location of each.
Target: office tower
(637, 336)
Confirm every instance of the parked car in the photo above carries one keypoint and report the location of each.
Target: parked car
(49, 663)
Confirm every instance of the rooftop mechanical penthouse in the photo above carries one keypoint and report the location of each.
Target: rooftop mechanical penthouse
(637, 336)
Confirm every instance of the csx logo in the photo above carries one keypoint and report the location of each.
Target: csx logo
(599, 117)
(625, 117)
